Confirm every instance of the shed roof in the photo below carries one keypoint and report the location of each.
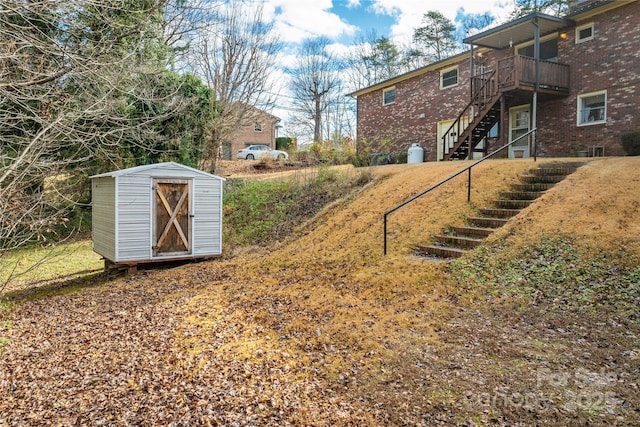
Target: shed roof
(138, 169)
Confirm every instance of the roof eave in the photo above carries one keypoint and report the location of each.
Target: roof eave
(492, 38)
(418, 71)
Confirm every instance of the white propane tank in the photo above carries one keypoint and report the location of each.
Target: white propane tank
(415, 154)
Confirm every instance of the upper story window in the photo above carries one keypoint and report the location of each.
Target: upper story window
(257, 127)
(592, 108)
(449, 78)
(584, 33)
(389, 95)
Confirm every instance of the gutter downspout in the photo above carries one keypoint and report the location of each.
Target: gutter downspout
(471, 90)
(536, 55)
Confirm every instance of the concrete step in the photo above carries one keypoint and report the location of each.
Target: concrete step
(512, 204)
(543, 179)
(461, 242)
(439, 251)
(538, 187)
(470, 231)
(499, 213)
(520, 195)
(486, 222)
(552, 170)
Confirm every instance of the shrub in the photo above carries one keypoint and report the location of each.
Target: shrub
(260, 212)
(285, 143)
(401, 157)
(631, 143)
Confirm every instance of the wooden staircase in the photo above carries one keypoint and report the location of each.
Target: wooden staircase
(456, 240)
(475, 121)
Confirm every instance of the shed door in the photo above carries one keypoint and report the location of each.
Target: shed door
(172, 217)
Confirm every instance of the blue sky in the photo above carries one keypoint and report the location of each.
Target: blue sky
(347, 21)
(363, 18)
(344, 21)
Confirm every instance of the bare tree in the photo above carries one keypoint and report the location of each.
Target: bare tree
(75, 77)
(235, 56)
(314, 81)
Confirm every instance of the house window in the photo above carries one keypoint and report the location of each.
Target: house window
(584, 33)
(257, 127)
(388, 96)
(449, 78)
(592, 108)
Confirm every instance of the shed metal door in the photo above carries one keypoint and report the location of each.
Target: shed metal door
(172, 217)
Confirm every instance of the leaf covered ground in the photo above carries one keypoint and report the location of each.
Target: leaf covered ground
(538, 327)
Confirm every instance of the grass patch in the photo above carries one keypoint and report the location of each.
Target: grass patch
(260, 212)
(557, 272)
(36, 266)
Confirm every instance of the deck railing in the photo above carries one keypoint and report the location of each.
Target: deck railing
(516, 71)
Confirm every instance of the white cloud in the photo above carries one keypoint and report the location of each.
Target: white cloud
(409, 13)
(296, 20)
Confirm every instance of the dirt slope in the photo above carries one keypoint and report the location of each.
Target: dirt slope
(324, 330)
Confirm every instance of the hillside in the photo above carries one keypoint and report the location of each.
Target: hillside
(540, 326)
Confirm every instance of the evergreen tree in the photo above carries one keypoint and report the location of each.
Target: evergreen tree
(435, 38)
(550, 7)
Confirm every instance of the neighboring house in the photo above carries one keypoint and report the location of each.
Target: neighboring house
(258, 127)
(587, 93)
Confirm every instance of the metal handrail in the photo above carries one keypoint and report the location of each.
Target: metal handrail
(444, 181)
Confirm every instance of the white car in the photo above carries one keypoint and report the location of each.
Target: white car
(260, 151)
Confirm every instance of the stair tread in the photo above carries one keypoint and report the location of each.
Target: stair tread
(486, 218)
(449, 248)
(466, 238)
(474, 230)
(440, 251)
(521, 195)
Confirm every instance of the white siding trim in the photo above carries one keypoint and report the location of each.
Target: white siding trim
(116, 229)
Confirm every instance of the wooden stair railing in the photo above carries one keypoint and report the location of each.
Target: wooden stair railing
(462, 136)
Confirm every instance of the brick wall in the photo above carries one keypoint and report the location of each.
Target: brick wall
(420, 104)
(413, 117)
(611, 62)
(246, 134)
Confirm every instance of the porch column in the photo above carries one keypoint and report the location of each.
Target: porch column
(471, 74)
(536, 57)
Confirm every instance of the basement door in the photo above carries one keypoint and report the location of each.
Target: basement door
(172, 217)
(519, 124)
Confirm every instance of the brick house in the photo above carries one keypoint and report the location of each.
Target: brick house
(585, 96)
(257, 127)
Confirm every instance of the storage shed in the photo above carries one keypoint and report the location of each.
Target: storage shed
(159, 212)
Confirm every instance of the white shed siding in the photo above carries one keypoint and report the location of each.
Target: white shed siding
(103, 217)
(123, 214)
(207, 220)
(134, 217)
